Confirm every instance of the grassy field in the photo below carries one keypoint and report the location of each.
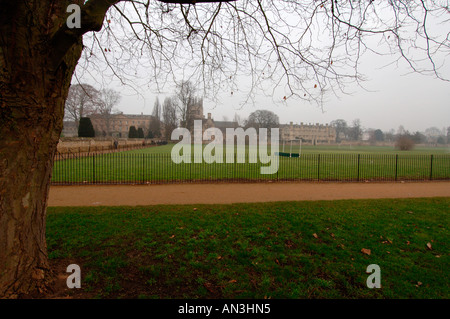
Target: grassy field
(154, 164)
(267, 250)
(326, 149)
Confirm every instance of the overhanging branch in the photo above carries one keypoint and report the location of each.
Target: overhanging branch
(92, 16)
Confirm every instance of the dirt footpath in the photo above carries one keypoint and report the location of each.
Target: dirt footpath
(124, 195)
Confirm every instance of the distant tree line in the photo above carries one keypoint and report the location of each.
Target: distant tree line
(403, 139)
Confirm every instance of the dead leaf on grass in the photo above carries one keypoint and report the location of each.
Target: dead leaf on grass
(315, 235)
(429, 246)
(366, 251)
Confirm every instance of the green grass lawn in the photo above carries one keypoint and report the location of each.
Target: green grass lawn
(155, 164)
(276, 250)
(325, 149)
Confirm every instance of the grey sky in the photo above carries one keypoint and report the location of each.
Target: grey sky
(397, 97)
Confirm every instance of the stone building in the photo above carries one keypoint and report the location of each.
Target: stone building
(309, 133)
(221, 125)
(118, 125)
(195, 112)
(70, 129)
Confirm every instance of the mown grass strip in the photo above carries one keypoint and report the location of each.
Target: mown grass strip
(277, 250)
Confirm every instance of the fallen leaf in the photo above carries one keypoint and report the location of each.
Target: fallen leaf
(315, 235)
(429, 246)
(366, 251)
(232, 281)
(172, 236)
(195, 209)
(209, 287)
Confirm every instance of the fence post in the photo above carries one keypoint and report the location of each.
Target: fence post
(318, 167)
(396, 165)
(143, 168)
(431, 167)
(359, 157)
(93, 168)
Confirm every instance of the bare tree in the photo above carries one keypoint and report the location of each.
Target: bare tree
(187, 100)
(341, 128)
(263, 119)
(355, 132)
(433, 134)
(108, 101)
(106, 106)
(305, 48)
(169, 115)
(155, 122)
(81, 101)
(404, 143)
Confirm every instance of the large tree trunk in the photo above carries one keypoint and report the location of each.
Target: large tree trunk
(32, 94)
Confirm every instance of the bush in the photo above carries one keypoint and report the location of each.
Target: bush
(132, 133)
(85, 128)
(404, 143)
(140, 133)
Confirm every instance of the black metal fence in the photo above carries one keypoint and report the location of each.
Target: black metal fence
(144, 168)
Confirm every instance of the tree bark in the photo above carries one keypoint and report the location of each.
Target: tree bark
(38, 55)
(32, 95)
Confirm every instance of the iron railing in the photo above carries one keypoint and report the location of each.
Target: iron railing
(144, 168)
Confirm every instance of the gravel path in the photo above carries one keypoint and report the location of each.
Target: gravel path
(221, 193)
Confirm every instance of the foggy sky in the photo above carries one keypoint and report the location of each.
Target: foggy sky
(396, 96)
